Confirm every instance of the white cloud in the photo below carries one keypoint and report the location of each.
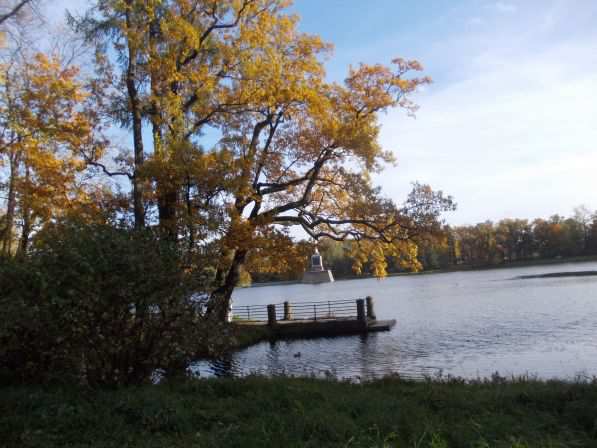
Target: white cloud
(515, 136)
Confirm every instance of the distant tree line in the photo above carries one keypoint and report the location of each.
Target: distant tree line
(489, 243)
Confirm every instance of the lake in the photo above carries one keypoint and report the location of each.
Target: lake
(467, 324)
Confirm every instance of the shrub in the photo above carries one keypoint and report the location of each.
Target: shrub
(97, 304)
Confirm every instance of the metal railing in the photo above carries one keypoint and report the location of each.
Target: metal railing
(330, 309)
(250, 312)
(321, 310)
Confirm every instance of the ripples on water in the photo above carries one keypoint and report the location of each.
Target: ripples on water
(468, 324)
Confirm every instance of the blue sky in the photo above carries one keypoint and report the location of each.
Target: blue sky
(509, 126)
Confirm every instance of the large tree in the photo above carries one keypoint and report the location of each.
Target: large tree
(301, 154)
(175, 61)
(291, 149)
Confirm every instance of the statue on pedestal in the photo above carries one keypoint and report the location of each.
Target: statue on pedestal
(316, 272)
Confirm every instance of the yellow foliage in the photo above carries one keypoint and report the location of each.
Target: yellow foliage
(293, 149)
(46, 127)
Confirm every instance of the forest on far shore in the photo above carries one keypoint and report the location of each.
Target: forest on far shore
(481, 245)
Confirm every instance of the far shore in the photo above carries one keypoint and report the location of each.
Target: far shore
(461, 268)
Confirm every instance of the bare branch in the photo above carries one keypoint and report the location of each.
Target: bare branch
(14, 11)
(107, 171)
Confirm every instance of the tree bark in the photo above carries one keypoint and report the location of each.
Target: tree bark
(24, 244)
(167, 199)
(219, 301)
(136, 115)
(11, 204)
(166, 190)
(167, 187)
(189, 206)
(26, 212)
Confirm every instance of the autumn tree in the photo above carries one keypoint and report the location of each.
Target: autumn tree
(591, 247)
(303, 157)
(582, 215)
(44, 129)
(293, 150)
(172, 76)
(478, 245)
(518, 239)
(514, 239)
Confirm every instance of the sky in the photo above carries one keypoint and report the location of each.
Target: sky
(509, 125)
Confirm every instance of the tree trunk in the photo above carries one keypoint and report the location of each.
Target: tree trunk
(137, 117)
(26, 212)
(165, 189)
(10, 204)
(167, 199)
(190, 226)
(166, 185)
(24, 244)
(219, 301)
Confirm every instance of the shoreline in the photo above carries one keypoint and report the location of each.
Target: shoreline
(457, 268)
(558, 275)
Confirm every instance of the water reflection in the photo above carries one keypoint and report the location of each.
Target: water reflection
(467, 324)
(225, 366)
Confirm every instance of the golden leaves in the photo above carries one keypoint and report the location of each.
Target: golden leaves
(46, 127)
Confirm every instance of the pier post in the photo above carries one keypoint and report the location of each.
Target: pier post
(370, 309)
(361, 317)
(287, 311)
(271, 315)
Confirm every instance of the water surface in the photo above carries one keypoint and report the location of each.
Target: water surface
(467, 324)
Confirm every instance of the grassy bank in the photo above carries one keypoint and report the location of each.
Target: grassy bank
(303, 412)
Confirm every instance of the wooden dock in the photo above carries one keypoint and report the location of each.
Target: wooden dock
(313, 319)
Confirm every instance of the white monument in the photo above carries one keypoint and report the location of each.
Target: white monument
(316, 272)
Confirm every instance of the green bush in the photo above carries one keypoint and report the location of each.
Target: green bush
(99, 305)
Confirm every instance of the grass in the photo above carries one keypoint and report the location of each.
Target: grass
(292, 412)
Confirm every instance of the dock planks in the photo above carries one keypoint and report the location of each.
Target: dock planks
(294, 329)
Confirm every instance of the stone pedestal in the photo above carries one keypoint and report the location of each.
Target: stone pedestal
(324, 276)
(316, 272)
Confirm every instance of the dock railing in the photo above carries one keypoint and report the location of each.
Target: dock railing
(359, 309)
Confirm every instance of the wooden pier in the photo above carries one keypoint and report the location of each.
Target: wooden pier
(310, 319)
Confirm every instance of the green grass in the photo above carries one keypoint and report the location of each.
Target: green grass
(288, 412)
